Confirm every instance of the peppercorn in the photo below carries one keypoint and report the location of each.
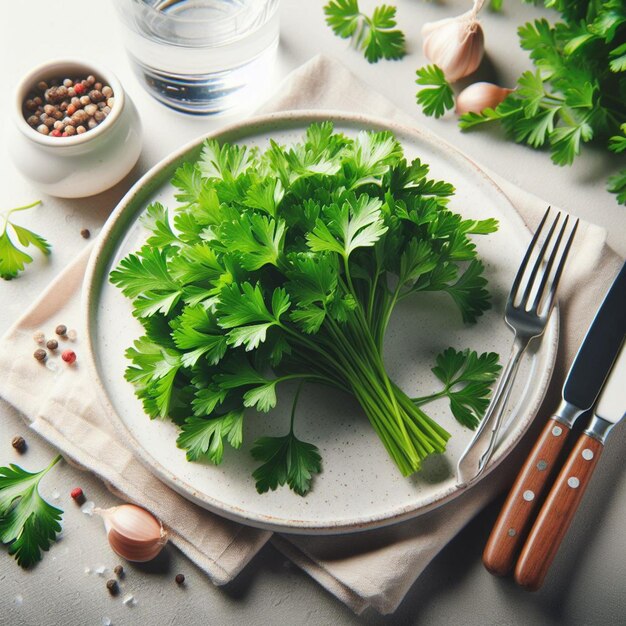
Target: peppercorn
(39, 337)
(77, 495)
(69, 356)
(107, 92)
(85, 100)
(180, 579)
(70, 130)
(79, 117)
(97, 86)
(90, 109)
(58, 124)
(40, 355)
(56, 132)
(19, 443)
(61, 330)
(49, 109)
(80, 130)
(52, 344)
(99, 116)
(33, 120)
(30, 105)
(79, 89)
(43, 129)
(49, 122)
(113, 587)
(91, 123)
(85, 234)
(111, 101)
(71, 109)
(119, 571)
(42, 85)
(68, 82)
(91, 79)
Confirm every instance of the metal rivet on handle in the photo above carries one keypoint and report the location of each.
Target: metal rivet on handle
(529, 495)
(573, 482)
(512, 532)
(587, 454)
(556, 431)
(542, 465)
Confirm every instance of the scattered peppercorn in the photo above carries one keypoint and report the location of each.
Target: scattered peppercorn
(19, 443)
(40, 355)
(77, 495)
(39, 337)
(180, 579)
(85, 234)
(52, 344)
(69, 356)
(119, 571)
(78, 103)
(113, 587)
(61, 330)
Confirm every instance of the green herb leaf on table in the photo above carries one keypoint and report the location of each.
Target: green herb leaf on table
(438, 97)
(28, 524)
(286, 265)
(12, 259)
(468, 379)
(375, 35)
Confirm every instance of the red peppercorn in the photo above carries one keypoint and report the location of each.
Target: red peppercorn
(69, 356)
(79, 88)
(56, 133)
(77, 493)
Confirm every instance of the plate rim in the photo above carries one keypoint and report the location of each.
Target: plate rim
(91, 288)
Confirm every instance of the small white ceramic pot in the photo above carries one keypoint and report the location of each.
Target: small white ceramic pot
(80, 165)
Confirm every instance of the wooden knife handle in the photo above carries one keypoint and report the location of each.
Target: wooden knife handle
(557, 513)
(517, 514)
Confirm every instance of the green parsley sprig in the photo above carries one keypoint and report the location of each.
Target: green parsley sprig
(28, 524)
(13, 259)
(375, 35)
(286, 265)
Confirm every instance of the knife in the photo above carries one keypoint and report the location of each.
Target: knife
(584, 381)
(565, 496)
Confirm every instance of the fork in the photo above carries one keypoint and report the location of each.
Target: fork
(527, 312)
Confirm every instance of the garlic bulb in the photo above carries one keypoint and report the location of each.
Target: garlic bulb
(479, 96)
(133, 533)
(455, 44)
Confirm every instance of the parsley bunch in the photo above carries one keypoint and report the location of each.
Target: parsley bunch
(28, 524)
(375, 36)
(284, 266)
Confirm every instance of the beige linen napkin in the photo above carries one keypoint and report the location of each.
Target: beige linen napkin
(370, 569)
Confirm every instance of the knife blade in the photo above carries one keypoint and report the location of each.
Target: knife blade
(564, 498)
(583, 383)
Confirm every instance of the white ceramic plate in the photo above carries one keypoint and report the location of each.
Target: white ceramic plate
(359, 487)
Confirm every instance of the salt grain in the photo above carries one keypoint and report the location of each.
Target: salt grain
(101, 570)
(129, 600)
(71, 335)
(19, 600)
(51, 365)
(106, 621)
(88, 508)
(55, 495)
(87, 570)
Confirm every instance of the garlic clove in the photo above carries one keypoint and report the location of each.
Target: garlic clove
(133, 533)
(479, 96)
(457, 46)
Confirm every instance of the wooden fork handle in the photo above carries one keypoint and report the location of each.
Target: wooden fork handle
(557, 513)
(518, 512)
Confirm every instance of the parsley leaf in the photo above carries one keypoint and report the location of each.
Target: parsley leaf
(439, 98)
(28, 524)
(204, 438)
(13, 259)
(468, 378)
(375, 36)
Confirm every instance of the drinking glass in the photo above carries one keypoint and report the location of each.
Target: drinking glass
(202, 56)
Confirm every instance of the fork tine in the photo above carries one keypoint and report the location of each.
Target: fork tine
(548, 267)
(559, 270)
(526, 259)
(541, 256)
